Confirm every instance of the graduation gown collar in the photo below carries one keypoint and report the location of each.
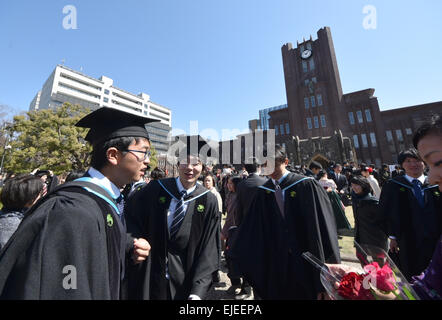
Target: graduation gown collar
(291, 180)
(402, 181)
(170, 186)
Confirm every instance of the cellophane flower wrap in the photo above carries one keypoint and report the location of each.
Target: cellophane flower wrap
(378, 278)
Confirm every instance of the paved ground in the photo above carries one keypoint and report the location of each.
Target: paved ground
(219, 290)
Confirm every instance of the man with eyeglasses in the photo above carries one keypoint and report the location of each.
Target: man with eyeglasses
(73, 243)
(180, 220)
(412, 207)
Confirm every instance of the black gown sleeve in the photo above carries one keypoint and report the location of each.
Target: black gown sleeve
(66, 257)
(388, 209)
(209, 255)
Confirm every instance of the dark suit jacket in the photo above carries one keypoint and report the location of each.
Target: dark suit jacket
(246, 191)
(341, 183)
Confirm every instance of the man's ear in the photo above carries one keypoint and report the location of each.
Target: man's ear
(113, 156)
(286, 161)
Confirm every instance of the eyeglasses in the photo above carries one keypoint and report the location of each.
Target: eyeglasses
(147, 154)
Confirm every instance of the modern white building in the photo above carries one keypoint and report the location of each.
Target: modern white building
(67, 85)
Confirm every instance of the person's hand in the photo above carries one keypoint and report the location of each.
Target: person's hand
(141, 250)
(341, 269)
(394, 247)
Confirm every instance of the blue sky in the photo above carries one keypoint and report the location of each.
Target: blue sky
(219, 62)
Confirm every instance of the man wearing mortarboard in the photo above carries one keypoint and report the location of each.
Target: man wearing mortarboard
(72, 244)
(180, 220)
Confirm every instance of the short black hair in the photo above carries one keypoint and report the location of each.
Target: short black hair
(157, 174)
(253, 166)
(321, 174)
(19, 191)
(363, 182)
(315, 165)
(280, 154)
(235, 180)
(409, 153)
(432, 127)
(99, 158)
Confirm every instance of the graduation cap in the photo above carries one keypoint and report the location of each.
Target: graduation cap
(194, 146)
(109, 123)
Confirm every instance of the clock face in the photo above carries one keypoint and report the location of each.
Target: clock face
(306, 54)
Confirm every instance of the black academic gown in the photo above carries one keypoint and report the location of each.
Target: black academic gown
(416, 229)
(65, 230)
(192, 254)
(268, 247)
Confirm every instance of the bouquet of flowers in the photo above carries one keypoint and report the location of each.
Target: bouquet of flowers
(378, 278)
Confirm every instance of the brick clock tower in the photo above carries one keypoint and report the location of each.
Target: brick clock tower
(313, 86)
(317, 106)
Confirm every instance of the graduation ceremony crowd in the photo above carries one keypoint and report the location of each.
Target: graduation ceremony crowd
(116, 233)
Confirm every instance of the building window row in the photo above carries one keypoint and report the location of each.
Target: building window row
(279, 129)
(160, 117)
(316, 122)
(159, 110)
(127, 99)
(364, 140)
(63, 85)
(399, 136)
(307, 81)
(126, 106)
(351, 117)
(313, 101)
(63, 75)
(311, 65)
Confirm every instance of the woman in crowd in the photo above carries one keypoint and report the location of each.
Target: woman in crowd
(367, 172)
(229, 229)
(329, 185)
(428, 141)
(210, 183)
(369, 225)
(18, 195)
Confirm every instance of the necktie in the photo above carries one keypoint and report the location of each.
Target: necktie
(178, 215)
(417, 190)
(279, 197)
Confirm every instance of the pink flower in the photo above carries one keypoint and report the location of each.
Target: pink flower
(383, 276)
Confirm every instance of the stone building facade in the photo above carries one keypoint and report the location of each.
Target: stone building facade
(318, 108)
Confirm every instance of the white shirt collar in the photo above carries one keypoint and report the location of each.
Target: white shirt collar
(282, 178)
(100, 179)
(410, 179)
(181, 188)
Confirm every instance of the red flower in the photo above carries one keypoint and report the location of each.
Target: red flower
(351, 287)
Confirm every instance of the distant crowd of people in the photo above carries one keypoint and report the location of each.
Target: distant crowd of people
(162, 238)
